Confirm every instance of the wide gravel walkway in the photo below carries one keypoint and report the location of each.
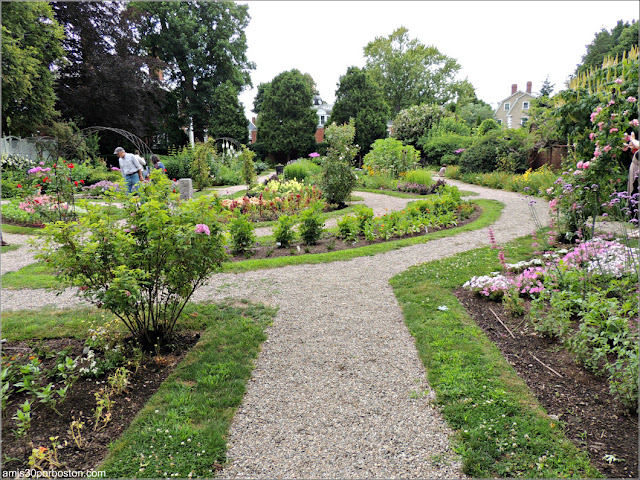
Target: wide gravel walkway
(338, 390)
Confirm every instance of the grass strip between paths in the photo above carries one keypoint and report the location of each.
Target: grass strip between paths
(40, 275)
(501, 429)
(182, 430)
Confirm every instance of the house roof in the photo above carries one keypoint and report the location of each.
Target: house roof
(513, 99)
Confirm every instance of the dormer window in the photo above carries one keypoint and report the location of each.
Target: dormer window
(507, 106)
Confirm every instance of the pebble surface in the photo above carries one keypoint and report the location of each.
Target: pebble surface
(338, 390)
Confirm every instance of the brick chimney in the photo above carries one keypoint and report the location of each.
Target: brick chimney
(529, 87)
(514, 88)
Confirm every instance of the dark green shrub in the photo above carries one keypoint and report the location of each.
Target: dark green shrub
(498, 147)
(435, 148)
(284, 233)
(242, 235)
(488, 125)
(311, 226)
(177, 166)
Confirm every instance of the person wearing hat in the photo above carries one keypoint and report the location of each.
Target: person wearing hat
(129, 167)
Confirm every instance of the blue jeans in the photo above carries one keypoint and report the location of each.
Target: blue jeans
(131, 180)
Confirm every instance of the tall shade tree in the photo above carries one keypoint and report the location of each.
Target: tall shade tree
(203, 45)
(609, 44)
(360, 98)
(104, 81)
(409, 72)
(227, 118)
(31, 47)
(287, 121)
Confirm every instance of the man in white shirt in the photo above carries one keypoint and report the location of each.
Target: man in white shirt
(129, 167)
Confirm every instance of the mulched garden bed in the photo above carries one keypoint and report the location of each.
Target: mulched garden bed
(591, 417)
(80, 404)
(331, 243)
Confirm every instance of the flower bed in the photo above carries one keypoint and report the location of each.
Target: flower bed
(586, 296)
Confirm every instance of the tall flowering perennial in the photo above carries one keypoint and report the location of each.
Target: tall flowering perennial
(587, 184)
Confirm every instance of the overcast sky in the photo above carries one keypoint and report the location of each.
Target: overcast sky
(497, 43)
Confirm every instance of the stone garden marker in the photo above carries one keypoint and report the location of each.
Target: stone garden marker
(185, 187)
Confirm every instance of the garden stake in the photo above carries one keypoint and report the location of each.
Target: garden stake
(506, 328)
(547, 366)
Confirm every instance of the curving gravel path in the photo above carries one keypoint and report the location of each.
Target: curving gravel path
(338, 390)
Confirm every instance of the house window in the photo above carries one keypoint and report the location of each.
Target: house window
(523, 121)
(321, 119)
(525, 105)
(507, 106)
(499, 121)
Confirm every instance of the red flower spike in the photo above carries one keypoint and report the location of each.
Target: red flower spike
(19, 186)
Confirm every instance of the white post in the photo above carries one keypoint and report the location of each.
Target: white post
(191, 137)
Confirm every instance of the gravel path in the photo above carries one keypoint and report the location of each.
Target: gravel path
(338, 390)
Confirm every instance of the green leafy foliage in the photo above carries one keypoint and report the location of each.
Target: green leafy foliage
(287, 123)
(511, 146)
(392, 156)
(145, 270)
(302, 170)
(242, 234)
(311, 226)
(359, 98)
(284, 233)
(31, 42)
(412, 123)
(338, 179)
(410, 73)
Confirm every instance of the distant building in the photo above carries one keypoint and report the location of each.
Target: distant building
(513, 111)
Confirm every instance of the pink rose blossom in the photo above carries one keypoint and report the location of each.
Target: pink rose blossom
(202, 228)
(613, 130)
(597, 152)
(607, 148)
(619, 81)
(579, 165)
(585, 165)
(634, 122)
(631, 99)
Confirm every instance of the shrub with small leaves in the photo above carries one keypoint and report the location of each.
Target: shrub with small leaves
(311, 226)
(242, 234)
(284, 233)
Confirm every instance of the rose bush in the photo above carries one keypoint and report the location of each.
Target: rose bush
(146, 269)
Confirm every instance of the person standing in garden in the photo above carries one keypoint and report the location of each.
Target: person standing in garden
(130, 168)
(634, 171)
(157, 164)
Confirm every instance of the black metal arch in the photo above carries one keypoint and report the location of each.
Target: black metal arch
(76, 142)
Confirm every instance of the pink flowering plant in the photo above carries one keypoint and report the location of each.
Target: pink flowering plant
(146, 269)
(587, 297)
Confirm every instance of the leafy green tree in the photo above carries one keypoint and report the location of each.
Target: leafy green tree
(414, 122)
(609, 44)
(409, 72)
(474, 113)
(203, 45)
(31, 44)
(227, 118)
(287, 122)
(103, 81)
(547, 88)
(358, 97)
(391, 156)
(259, 98)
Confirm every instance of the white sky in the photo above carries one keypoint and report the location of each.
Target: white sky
(497, 43)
